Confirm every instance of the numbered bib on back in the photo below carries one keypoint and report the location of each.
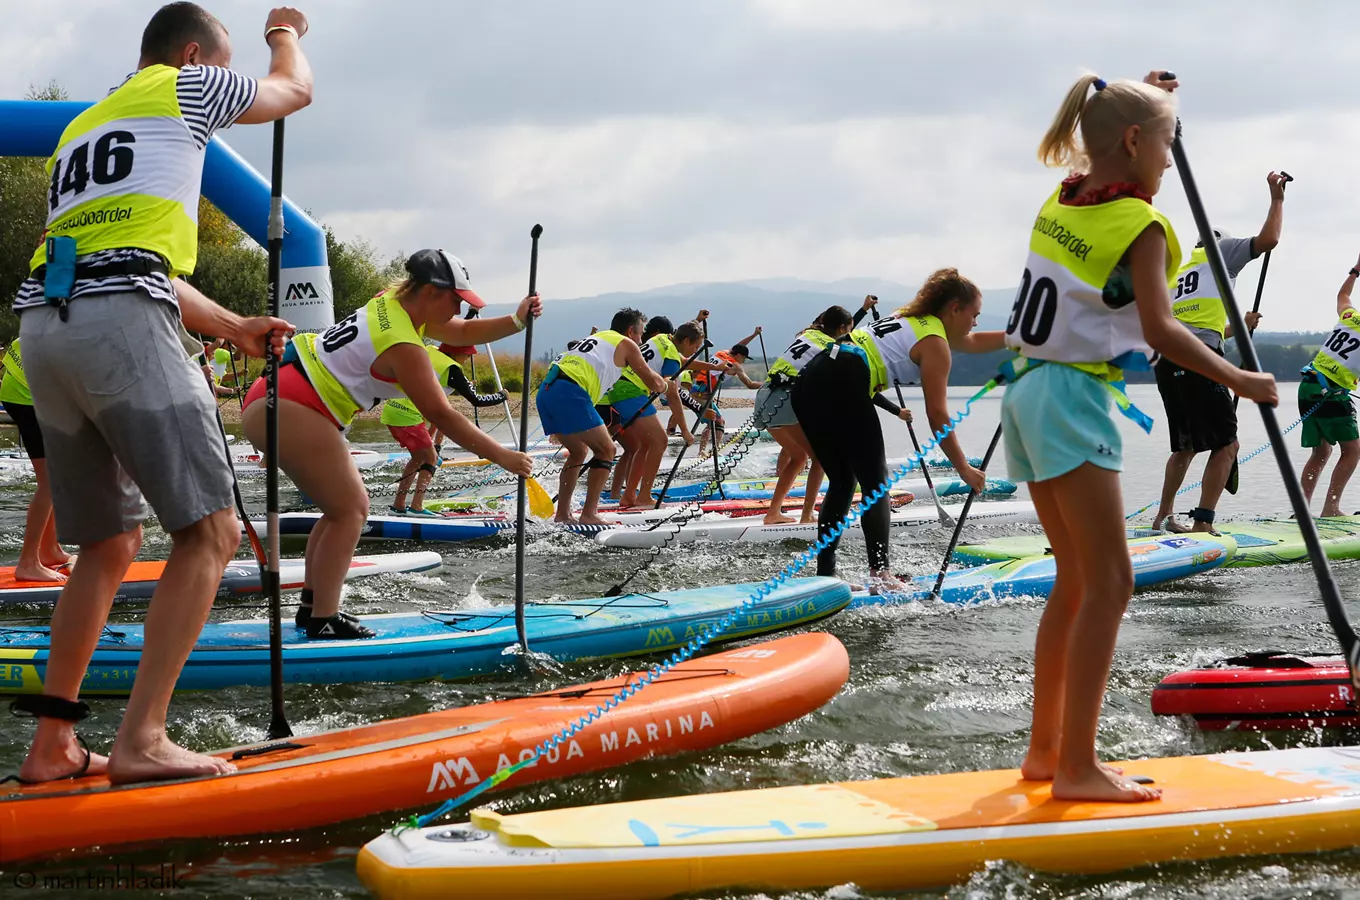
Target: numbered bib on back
(1195, 300)
(339, 361)
(888, 344)
(126, 174)
(1075, 302)
(590, 363)
(806, 346)
(1339, 357)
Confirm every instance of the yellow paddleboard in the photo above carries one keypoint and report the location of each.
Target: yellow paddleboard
(890, 834)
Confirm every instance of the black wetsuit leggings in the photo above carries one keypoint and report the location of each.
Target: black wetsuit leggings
(831, 398)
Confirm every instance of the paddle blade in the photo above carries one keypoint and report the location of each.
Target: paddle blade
(540, 504)
(1233, 478)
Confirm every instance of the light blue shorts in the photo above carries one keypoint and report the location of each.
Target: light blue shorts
(1054, 419)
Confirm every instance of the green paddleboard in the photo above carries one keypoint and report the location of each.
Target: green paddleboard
(1260, 542)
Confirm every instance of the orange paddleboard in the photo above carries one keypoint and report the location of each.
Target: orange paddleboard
(420, 761)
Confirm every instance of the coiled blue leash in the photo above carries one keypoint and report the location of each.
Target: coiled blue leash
(1241, 461)
(699, 642)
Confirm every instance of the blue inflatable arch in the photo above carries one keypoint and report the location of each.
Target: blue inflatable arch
(33, 127)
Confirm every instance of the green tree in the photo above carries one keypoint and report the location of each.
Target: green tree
(23, 215)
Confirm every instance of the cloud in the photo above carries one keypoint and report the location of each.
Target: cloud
(704, 140)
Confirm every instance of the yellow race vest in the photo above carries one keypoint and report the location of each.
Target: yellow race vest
(887, 346)
(590, 363)
(400, 411)
(807, 345)
(1339, 358)
(126, 173)
(1069, 309)
(339, 360)
(1195, 300)
(14, 389)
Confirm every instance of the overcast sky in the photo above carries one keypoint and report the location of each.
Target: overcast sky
(713, 140)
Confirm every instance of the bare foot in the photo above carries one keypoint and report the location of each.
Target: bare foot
(881, 583)
(1042, 766)
(1095, 785)
(160, 761)
(37, 573)
(1204, 528)
(1175, 527)
(633, 508)
(57, 754)
(778, 519)
(564, 518)
(59, 561)
(628, 501)
(1331, 510)
(594, 520)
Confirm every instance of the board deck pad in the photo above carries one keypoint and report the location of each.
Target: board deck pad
(1260, 542)
(882, 835)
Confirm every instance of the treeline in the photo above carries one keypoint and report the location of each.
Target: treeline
(232, 269)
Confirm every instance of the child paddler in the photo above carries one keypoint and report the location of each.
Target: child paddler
(41, 555)
(575, 384)
(415, 433)
(774, 412)
(835, 397)
(1093, 298)
(1328, 380)
(375, 353)
(1200, 416)
(666, 349)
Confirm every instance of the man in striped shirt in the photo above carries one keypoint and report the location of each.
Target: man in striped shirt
(125, 412)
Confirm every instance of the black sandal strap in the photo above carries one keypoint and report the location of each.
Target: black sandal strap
(45, 706)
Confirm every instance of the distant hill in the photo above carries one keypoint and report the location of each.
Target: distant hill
(784, 306)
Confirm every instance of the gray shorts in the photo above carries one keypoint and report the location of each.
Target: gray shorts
(774, 408)
(122, 407)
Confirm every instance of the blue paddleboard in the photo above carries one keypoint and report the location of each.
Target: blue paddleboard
(447, 645)
(1155, 560)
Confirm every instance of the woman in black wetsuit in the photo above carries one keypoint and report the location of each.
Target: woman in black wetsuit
(836, 394)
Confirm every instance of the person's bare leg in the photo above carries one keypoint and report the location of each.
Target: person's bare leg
(1177, 464)
(77, 623)
(632, 447)
(602, 450)
(792, 458)
(812, 493)
(36, 557)
(1216, 472)
(643, 476)
(179, 607)
(1341, 475)
(1052, 640)
(1312, 470)
(408, 474)
(1091, 505)
(317, 459)
(424, 456)
(577, 451)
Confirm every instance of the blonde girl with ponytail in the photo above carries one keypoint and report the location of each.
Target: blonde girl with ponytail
(1093, 300)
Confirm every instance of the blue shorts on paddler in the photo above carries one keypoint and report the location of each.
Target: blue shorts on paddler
(564, 407)
(1055, 419)
(629, 406)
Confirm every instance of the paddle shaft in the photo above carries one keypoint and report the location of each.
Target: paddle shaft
(476, 414)
(500, 386)
(523, 500)
(661, 498)
(916, 445)
(765, 359)
(963, 514)
(278, 725)
(1331, 596)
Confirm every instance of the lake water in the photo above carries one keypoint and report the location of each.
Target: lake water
(932, 689)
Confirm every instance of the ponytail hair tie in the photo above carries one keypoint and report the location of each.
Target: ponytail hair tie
(1100, 84)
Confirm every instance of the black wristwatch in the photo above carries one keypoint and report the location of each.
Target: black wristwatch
(1354, 272)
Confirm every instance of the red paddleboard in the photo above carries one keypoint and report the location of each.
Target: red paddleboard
(1261, 692)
